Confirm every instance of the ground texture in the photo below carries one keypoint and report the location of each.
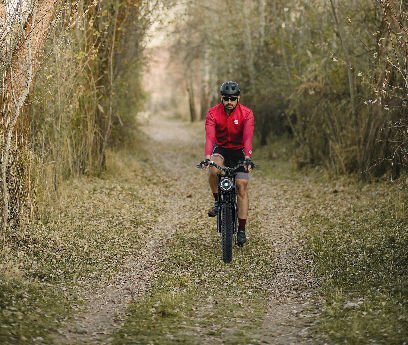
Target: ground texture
(266, 294)
(130, 256)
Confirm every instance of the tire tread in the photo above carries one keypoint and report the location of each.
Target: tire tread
(227, 226)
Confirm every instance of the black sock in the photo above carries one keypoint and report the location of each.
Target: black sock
(215, 196)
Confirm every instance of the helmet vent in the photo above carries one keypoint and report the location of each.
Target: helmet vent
(230, 88)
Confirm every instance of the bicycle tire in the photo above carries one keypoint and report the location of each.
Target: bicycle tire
(227, 232)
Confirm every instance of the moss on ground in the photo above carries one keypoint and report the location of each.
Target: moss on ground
(29, 311)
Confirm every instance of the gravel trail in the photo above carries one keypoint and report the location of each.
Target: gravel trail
(174, 149)
(105, 305)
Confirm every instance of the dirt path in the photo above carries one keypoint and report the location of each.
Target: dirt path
(291, 308)
(106, 305)
(274, 210)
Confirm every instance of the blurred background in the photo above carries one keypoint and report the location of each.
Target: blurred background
(327, 81)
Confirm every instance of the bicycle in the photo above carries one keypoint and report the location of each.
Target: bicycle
(227, 217)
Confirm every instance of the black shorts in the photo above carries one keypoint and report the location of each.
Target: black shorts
(231, 158)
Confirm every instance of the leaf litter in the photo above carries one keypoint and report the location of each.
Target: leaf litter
(137, 247)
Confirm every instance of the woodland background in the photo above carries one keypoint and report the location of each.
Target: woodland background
(71, 86)
(332, 75)
(327, 81)
(329, 75)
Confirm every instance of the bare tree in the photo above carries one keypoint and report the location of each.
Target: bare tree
(248, 42)
(23, 48)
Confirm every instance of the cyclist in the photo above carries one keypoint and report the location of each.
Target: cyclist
(229, 129)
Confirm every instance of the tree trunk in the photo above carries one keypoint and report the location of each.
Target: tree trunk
(204, 104)
(248, 44)
(20, 68)
(15, 113)
(191, 100)
(347, 57)
(261, 26)
(111, 82)
(205, 94)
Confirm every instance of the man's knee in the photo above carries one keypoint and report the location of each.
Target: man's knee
(218, 161)
(242, 188)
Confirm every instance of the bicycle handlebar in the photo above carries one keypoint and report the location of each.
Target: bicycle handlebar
(239, 165)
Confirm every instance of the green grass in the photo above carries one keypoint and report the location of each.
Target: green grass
(198, 299)
(84, 235)
(29, 311)
(357, 237)
(360, 259)
(275, 159)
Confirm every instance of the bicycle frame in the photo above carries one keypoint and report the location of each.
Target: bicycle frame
(227, 215)
(227, 196)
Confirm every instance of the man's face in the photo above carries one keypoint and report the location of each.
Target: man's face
(229, 102)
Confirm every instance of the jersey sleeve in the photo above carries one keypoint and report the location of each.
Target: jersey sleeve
(209, 133)
(248, 133)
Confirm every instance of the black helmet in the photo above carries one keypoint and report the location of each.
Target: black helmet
(230, 88)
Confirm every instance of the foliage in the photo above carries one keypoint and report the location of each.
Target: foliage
(330, 73)
(81, 100)
(84, 98)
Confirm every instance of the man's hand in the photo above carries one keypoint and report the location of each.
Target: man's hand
(248, 164)
(204, 164)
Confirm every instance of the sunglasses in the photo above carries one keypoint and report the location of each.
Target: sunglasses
(232, 99)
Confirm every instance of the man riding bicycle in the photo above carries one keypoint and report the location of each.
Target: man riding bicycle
(229, 129)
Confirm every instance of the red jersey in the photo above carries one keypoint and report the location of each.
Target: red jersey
(233, 131)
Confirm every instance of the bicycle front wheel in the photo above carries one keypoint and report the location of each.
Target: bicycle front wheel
(227, 231)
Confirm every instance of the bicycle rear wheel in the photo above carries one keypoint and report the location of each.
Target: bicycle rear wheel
(227, 231)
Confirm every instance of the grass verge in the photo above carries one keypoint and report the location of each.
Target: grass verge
(84, 237)
(29, 311)
(360, 254)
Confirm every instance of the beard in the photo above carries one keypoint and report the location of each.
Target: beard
(229, 107)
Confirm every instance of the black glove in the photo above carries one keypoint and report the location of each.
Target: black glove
(248, 163)
(205, 163)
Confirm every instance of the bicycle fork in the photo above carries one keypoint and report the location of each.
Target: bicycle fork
(227, 198)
